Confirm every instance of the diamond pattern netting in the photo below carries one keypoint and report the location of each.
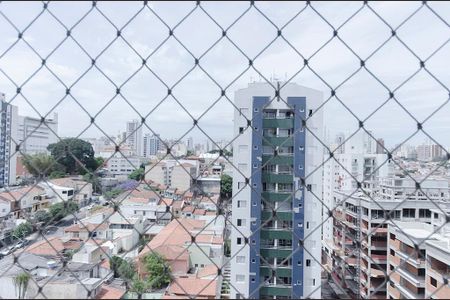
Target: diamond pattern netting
(252, 40)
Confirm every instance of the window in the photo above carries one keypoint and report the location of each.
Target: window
(308, 263)
(314, 282)
(299, 263)
(241, 129)
(307, 225)
(436, 215)
(433, 281)
(424, 213)
(240, 259)
(241, 203)
(240, 278)
(409, 213)
(239, 241)
(255, 147)
(391, 267)
(392, 252)
(240, 222)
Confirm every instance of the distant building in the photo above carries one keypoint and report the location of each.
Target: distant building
(176, 174)
(380, 146)
(120, 166)
(35, 136)
(152, 144)
(8, 139)
(134, 136)
(190, 144)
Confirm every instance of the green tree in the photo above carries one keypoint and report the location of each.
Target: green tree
(21, 284)
(137, 174)
(42, 216)
(56, 174)
(94, 180)
(100, 161)
(41, 165)
(74, 154)
(22, 230)
(126, 270)
(114, 263)
(189, 153)
(159, 273)
(138, 286)
(62, 209)
(226, 185)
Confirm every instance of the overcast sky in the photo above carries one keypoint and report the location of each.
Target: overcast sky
(424, 33)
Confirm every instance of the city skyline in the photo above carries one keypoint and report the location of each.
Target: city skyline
(420, 96)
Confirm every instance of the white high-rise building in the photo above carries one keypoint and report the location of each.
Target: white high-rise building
(152, 144)
(8, 142)
(277, 212)
(35, 136)
(134, 136)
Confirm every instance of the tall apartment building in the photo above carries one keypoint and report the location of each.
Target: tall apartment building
(152, 144)
(360, 253)
(275, 245)
(35, 135)
(356, 162)
(134, 136)
(8, 140)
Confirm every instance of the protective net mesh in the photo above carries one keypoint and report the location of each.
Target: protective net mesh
(173, 67)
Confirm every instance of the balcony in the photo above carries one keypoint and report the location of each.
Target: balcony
(418, 281)
(277, 160)
(276, 234)
(278, 141)
(279, 271)
(276, 290)
(280, 215)
(408, 293)
(276, 252)
(418, 263)
(273, 196)
(379, 259)
(284, 123)
(276, 178)
(376, 273)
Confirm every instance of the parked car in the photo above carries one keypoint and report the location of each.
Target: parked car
(6, 251)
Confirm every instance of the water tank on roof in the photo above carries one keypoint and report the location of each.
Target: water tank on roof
(52, 264)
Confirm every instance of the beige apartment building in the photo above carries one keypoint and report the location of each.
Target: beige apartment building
(419, 262)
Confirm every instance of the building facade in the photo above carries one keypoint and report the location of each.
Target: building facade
(152, 144)
(35, 135)
(8, 140)
(276, 242)
(134, 137)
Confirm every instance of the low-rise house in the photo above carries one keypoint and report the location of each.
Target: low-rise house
(82, 189)
(193, 287)
(175, 243)
(23, 201)
(57, 192)
(85, 231)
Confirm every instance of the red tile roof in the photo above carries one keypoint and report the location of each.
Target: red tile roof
(109, 292)
(192, 286)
